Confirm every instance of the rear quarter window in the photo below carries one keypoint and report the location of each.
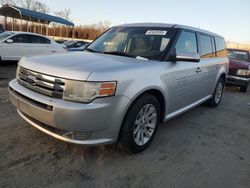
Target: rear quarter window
(220, 47)
(39, 40)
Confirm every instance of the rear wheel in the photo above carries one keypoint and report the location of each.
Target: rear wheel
(140, 124)
(217, 95)
(243, 89)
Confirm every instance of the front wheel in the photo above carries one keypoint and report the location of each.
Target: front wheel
(140, 124)
(217, 95)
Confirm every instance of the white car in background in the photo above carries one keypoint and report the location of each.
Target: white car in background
(14, 45)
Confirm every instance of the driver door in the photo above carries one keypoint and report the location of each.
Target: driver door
(186, 88)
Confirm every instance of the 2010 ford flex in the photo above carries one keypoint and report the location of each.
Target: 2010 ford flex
(127, 82)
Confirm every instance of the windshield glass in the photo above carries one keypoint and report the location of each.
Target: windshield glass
(147, 43)
(5, 35)
(239, 55)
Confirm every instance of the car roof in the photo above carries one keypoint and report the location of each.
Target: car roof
(167, 25)
(235, 49)
(23, 32)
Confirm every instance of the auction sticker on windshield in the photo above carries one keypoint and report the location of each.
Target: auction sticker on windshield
(156, 32)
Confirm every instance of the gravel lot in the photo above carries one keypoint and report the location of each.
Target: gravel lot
(205, 147)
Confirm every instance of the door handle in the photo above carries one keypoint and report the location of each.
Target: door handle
(198, 70)
(53, 51)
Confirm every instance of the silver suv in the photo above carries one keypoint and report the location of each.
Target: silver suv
(127, 82)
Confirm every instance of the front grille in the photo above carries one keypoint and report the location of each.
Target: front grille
(41, 83)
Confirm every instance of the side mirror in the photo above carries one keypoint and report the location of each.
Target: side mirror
(186, 56)
(9, 41)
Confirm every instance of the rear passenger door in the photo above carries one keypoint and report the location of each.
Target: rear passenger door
(208, 63)
(40, 45)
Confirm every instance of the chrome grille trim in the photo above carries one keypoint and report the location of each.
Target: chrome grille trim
(41, 83)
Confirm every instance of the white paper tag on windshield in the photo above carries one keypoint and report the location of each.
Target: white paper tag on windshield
(156, 32)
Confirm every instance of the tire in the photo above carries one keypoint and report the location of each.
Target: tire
(217, 95)
(139, 127)
(243, 89)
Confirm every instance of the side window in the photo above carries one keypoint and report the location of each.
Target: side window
(21, 38)
(206, 48)
(239, 55)
(164, 43)
(39, 40)
(220, 47)
(186, 43)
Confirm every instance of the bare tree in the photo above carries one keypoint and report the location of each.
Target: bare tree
(102, 26)
(10, 2)
(41, 7)
(34, 5)
(26, 3)
(64, 14)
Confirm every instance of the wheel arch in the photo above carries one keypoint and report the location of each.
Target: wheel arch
(224, 77)
(158, 94)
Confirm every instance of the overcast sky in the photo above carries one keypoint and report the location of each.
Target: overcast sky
(230, 18)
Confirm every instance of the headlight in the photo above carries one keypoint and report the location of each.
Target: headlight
(243, 72)
(80, 91)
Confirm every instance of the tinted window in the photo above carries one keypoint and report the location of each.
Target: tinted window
(220, 47)
(76, 44)
(39, 40)
(5, 35)
(1, 29)
(21, 38)
(239, 55)
(186, 43)
(206, 49)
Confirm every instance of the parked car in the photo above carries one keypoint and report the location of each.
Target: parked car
(239, 68)
(68, 42)
(77, 46)
(1, 28)
(14, 45)
(60, 41)
(127, 82)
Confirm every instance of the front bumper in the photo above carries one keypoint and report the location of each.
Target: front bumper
(237, 81)
(89, 124)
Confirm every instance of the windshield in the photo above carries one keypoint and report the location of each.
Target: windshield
(5, 35)
(239, 55)
(148, 43)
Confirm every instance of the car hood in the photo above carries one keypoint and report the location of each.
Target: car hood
(237, 64)
(79, 65)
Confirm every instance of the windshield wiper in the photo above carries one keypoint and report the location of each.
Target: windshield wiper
(111, 53)
(119, 53)
(91, 50)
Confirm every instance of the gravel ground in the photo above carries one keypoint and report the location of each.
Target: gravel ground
(204, 147)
